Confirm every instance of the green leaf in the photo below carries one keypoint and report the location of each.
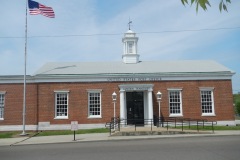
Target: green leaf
(220, 6)
(225, 7)
(208, 3)
(192, 1)
(228, 1)
(197, 7)
(184, 2)
(203, 4)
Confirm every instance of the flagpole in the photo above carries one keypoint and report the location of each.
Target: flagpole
(25, 70)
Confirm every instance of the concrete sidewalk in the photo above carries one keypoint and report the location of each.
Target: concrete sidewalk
(98, 137)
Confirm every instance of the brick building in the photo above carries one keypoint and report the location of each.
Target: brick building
(59, 93)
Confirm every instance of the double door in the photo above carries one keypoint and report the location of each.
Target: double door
(135, 108)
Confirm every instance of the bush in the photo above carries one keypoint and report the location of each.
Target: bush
(237, 105)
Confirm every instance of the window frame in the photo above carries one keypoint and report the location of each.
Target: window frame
(98, 91)
(61, 92)
(179, 90)
(207, 89)
(2, 107)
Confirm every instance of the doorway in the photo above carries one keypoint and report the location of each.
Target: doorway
(135, 108)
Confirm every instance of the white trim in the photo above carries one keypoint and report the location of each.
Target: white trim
(208, 114)
(135, 87)
(150, 105)
(61, 117)
(93, 90)
(175, 115)
(148, 100)
(94, 116)
(206, 88)
(168, 76)
(61, 91)
(175, 89)
(3, 92)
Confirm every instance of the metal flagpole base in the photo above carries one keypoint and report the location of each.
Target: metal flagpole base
(23, 134)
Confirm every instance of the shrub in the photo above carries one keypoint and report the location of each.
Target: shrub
(237, 105)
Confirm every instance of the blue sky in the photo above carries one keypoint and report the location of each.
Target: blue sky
(152, 20)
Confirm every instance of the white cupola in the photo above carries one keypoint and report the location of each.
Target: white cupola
(130, 47)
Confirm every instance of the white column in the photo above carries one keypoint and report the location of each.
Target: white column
(150, 105)
(122, 105)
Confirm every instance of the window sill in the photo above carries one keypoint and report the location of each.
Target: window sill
(175, 115)
(209, 115)
(1, 119)
(97, 117)
(61, 118)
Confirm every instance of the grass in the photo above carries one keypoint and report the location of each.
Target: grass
(51, 133)
(209, 128)
(14, 134)
(68, 132)
(6, 135)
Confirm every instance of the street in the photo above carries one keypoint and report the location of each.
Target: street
(183, 148)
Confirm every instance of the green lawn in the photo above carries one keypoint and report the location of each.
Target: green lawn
(50, 133)
(68, 132)
(6, 134)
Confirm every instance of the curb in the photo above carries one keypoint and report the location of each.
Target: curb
(105, 138)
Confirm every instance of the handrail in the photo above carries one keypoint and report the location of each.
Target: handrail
(116, 123)
(187, 122)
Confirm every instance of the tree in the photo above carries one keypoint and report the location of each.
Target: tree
(205, 3)
(237, 105)
(236, 101)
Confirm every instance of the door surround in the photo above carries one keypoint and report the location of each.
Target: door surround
(148, 101)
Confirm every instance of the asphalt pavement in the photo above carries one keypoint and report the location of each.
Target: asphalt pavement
(98, 137)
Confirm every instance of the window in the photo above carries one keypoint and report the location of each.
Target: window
(2, 104)
(130, 47)
(207, 102)
(61, 105)
(175, 102)
(94, 104)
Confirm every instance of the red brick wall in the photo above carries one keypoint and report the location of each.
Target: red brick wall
(78, 102)
(13, 111)
(41, 108)
(191, 99)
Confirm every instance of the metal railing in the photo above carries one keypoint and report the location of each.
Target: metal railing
(169, 122)
(186, 122)
(115, 124)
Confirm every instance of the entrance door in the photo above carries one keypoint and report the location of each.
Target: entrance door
(135, 108)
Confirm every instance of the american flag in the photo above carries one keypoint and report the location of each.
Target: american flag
(37, 8)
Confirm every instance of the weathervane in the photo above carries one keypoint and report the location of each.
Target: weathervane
(129, 24)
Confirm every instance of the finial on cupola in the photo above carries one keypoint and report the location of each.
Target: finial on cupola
(129, 24)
